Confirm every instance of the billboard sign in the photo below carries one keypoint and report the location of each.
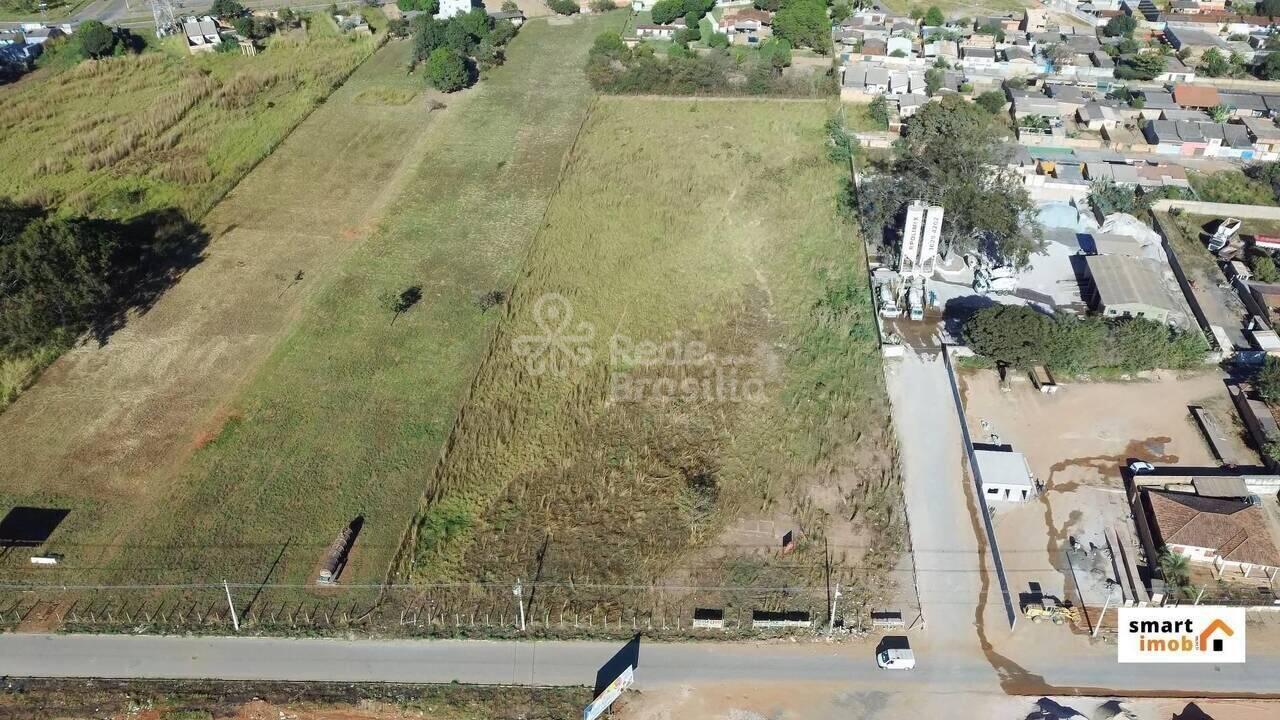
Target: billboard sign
(1195, 634)
(596, 707)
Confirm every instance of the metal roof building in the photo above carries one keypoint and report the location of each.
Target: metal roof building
(1135, 287)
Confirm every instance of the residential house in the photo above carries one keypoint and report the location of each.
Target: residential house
(1196, 41)
(978, 56)
(874, 47)
(1230, 533)
(1034, 20)
(1118, 173)
(1135, 287)
(979, 41)
(19, 56)
(1021, 59)
(1198, 97)
(449, 8)
(660, 32)
(1157, 100)
(909, 103)
(516, 17)
(1096, 116)
(1226, 140)
(1102, 60)
(202, 34)
(37, 34)
(946, 49)
(863, 81)
(745, 26)
(899, 46)
(1155, 175)
(1273, 104)
(1035, 105)
(1264, 133)
(1176, 71)
(1244, 104)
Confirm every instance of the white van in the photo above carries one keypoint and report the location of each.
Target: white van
(896, 659)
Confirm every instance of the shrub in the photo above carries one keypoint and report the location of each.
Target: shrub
(563, 7)
(97, 40)
(992, 101)
(447, 70)
(601, 6)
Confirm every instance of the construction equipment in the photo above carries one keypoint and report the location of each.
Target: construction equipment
(1049, 609)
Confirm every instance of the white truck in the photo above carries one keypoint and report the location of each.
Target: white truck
(1226, 231)
(896, 659)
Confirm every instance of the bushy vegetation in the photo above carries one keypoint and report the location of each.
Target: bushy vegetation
(1022, 337)
(1231, 186)
(612, 67)
(1267, 381)
(1141, 66)
(952, 151)
(457, 50)
(1106, 197)
(804, 23)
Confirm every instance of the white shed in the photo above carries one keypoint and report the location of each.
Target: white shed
(1005, 476)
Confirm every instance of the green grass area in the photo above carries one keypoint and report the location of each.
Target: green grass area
(118, 137)
(958, 8)
(582, 456)
(121, 136)
(351, 410)
(1231, 186)
(29, 10)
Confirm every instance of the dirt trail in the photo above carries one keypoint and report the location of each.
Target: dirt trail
(115, 420)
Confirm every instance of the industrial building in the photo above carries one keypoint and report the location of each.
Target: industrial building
(1124, 286)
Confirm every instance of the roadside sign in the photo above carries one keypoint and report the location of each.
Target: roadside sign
(606, 697)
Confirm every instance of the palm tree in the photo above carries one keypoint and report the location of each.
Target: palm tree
(1176, 570)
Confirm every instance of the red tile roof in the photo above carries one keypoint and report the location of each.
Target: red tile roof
(1234, 529)
(1196, 96)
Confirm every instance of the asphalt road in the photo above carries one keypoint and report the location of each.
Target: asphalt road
(577, 663)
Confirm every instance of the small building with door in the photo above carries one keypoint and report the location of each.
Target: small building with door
(1005, 475)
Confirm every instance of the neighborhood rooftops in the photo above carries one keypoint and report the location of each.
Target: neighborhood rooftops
(1196, 96)
(1234, 529)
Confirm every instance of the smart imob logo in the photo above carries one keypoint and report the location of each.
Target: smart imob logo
(1182, 635)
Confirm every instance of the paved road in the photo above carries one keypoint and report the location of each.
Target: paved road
(576, 663)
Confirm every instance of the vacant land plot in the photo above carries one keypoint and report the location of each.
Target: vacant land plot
(687, 372)
(960, 8)
(120, 136)
(348, 415)
(107, 428)
(1189, 240)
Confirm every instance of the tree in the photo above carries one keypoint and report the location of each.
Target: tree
(878, 110)
(1220, 113)
(1107, 198)
(96, 40)
(1269, 68)
(776, 52)
(610, 45)
(1176, 571)
(992, 101)
(692, 32)
(1214, 64)
(768, 5)
(447, 70)
(457, 37)
(601, 6)
(841, 145)
(1058, 54)
(430, 34)
(933, 17)
(1264, 269)
(666, 11)
(477, 23)
(1143, 66)
(226, 9)
(502, 32)
(1267, 381)
(488, 55)
(510, 6)
(1120, 26)
(953, 153)
(841, 10)
(804, 23)
(933, 78)
(718, 40)
(1269, 8)
(563, 7)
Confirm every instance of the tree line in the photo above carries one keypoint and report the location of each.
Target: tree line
(456, 51)
(612, 67)
(63, 276)
(1022, 337)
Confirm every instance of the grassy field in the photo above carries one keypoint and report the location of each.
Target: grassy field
(107, 429)
(958, 8)
(122, 136)
(687, 357)
(348, 413)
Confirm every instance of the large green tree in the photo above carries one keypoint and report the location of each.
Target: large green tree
(97, 40)
(1120, 26)
(1214, 64)
(1142, 66)
(933, 17)
(952, 153)
(447, 70)
(804, 23)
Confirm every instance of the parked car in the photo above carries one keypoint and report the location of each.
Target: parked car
(1141, 467)
(897, 656)
(1227, 230)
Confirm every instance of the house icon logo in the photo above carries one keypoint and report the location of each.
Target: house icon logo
(1217, 627)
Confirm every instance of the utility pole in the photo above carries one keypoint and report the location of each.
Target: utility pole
(1200, 594)
(835, 598)
(235, 621)
(1105, 605)
(518, 591)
